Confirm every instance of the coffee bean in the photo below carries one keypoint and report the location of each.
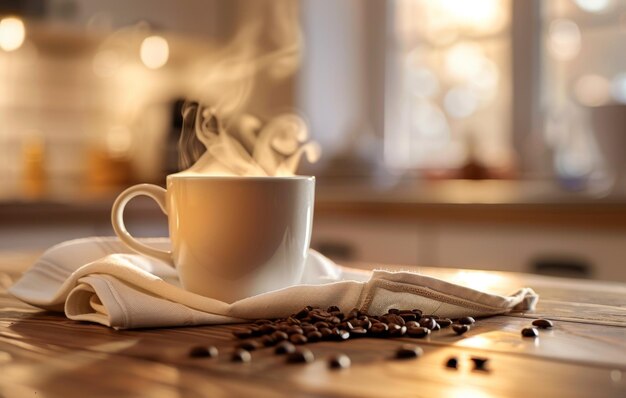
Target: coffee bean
(284, 347)
(340, 361)
(530, 332)
(460, 329)
(393, 311)
(321, 324)
(301, 355)
(203, 352)
(262, 321)
(358, 332)
(267, 341)
(314, 336)
(293, 321)
(298, 339)
(479, 363)
(379, 329)
(326, 333)
(392, 318)
(303, 313)
(243, 333)
(408, 316)
(412, 324)
(308, 329)
(242, 356)
(396, 330)
(418, 313)
(267, 329)
(295, 330)
(249, 345)
(428, 323)
(256, 331)
(333, 308)
(417, 332)
(437, 327)
(365, 324)
(452, 363)
(407, 351)
(444, 322)
(346, 325)
(279, 336)
(354, 313)
(341, 335)
(334, 320)
(543, 323)
(466, 320)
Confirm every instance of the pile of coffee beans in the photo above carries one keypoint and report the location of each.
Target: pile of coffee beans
(313, 324)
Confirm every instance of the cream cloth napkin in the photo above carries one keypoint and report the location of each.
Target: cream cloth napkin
(100, 280)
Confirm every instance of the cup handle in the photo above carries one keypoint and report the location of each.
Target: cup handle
(117, 219)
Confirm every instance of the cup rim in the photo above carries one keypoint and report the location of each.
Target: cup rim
(238, 178)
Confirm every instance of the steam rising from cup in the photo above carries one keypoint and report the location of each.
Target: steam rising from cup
(249, 148)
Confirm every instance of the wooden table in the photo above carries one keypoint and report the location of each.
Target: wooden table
(44, 354)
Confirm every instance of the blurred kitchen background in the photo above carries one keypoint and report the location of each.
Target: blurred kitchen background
(486, 134)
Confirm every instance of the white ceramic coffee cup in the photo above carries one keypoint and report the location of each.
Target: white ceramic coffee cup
(232, 237)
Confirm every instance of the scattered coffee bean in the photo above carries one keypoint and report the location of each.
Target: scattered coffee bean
(460, 329)
(340, 335)
(301, 355)
(543, 323)
(267, 341)
(284, 347)
(437, 327)
(466, 320)
(308, 329)
(418, 313)
(267, 329)
(333, 308)
(295, 330)
(303, 313)
(321, 324)
(412, 324)
(379, 329)
(298, 339)
(418, 332)
(452, 363)
(407, 351)
(326, 333)
(249, 345)
(408, 316)
(256, 331)
(444, 322)
(393, 311)
(279, 336)
(358, 332)
(203, 352)
(340, 361)
(242, 356)
(530, 332)
(428, 323)
(243, 333)
(314, 336)
(262, 321)
(396, 330)
(480, 363)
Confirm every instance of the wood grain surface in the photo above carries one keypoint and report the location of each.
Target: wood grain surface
(44, 354)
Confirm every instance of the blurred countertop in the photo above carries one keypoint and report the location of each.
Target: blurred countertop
(487, 201)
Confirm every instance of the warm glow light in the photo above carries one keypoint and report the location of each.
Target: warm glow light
(464, 61)
(12, 33)
(592, 90)
(618, 88)
(478, 280)
(593, 5)
(564, 39)
(106, 63)
(475, 13)
(154, 52)
(460, 102)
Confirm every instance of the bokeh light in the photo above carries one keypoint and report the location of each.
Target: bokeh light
(564, 39)
(592, 90)
(596, 6)
(460, 102)
(618, 88)
(12, 33)
(154, 52)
